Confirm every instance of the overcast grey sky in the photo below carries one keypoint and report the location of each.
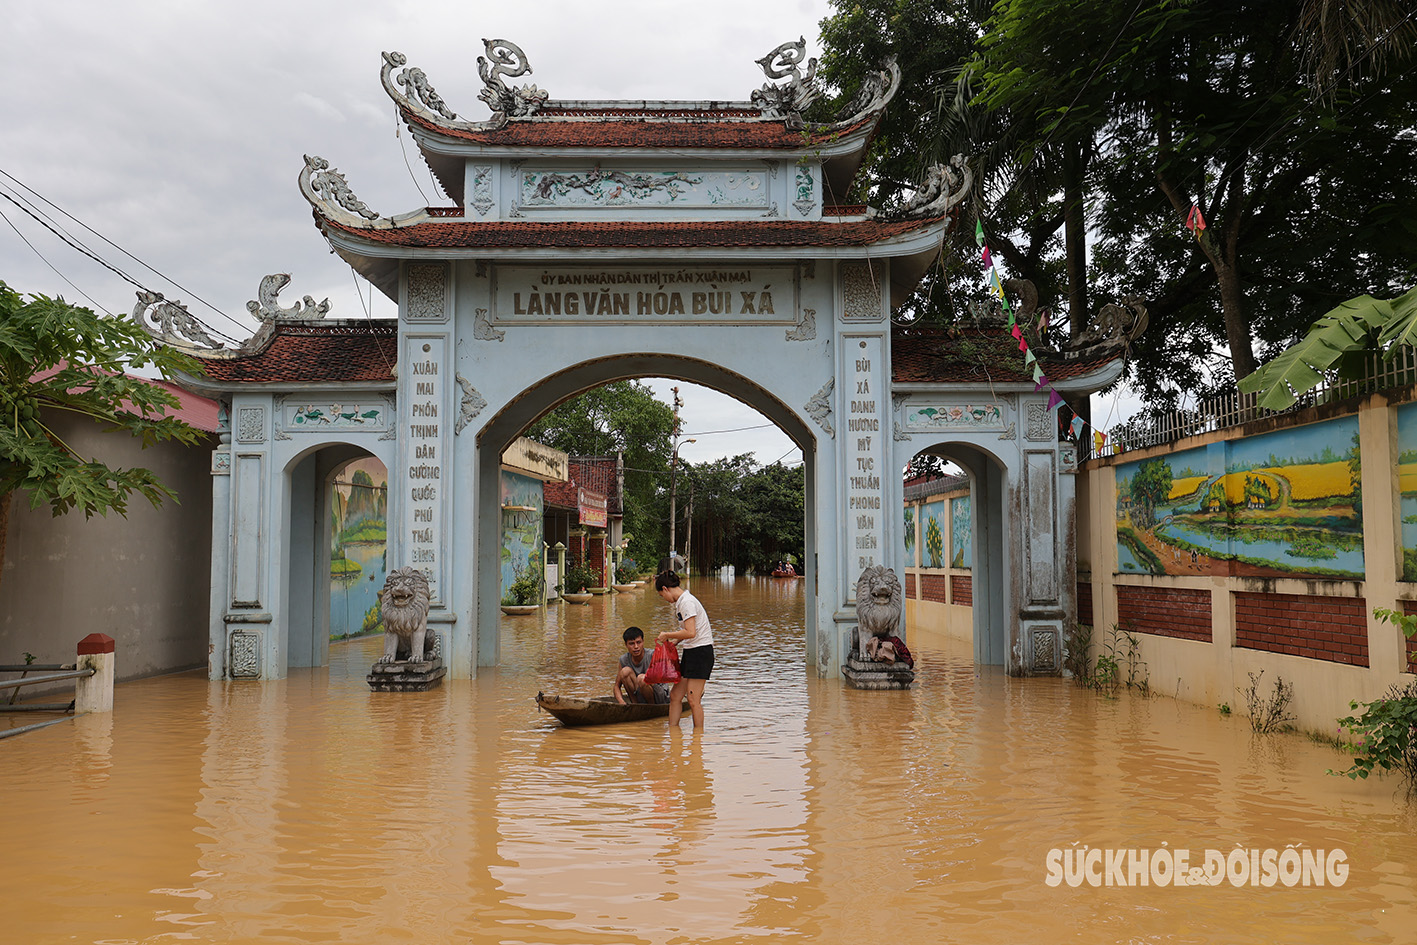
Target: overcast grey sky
(177, 131)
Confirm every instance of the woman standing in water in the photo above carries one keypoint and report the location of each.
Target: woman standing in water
(695, 638)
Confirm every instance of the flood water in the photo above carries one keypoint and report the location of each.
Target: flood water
(311, 810)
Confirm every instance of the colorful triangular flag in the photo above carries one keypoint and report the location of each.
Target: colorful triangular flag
(1076, 426)
(1037, 369)
(979, 232)
(988, 260)
(1039, 384)
(1195, 222)
(1013, 322)
(994, 283)
(1029, 358)
(1016, 332)
(1099, 440)
(1054, 399)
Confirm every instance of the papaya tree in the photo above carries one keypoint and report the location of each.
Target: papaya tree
(55, 359)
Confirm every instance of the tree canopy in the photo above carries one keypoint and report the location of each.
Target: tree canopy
(620, 417)
(60, 358)
(742, 514)
(1098, 124)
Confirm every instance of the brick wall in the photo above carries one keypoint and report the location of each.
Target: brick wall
(962, 589)
(1409, 607)
(932, 587)
(1320, 628)
(1085, 604)
(1165, 611)
(910, 587)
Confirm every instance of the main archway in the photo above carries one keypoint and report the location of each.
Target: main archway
(549, 391)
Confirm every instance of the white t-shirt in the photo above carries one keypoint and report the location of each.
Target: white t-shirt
(688, 606)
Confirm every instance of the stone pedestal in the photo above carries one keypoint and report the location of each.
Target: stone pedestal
(864, 674)
(406, 676)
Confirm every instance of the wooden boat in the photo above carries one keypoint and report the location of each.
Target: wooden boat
(785, 574)
(602, 710)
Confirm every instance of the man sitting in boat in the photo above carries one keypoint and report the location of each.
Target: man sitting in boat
(630, 685)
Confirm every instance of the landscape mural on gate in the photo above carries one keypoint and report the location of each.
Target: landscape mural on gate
(961, 532)
(521, 525)
(932, 534)
(359, 500)
(1407, 485)
(1278, 504)
(908, 535)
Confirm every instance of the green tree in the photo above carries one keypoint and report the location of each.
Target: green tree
(59, 358)
(1132, 112)
(1151, 486)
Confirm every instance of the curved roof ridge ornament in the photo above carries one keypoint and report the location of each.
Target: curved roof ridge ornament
(266, 308)
(1114, 327)
(421, 99)
(789, 99)
(169, 323)
(328, 191)
(943, 188)
(505, 58)
(877, 89)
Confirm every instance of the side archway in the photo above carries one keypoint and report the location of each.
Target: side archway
(312, 479)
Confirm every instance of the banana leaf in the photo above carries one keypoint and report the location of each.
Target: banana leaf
(1357, 324)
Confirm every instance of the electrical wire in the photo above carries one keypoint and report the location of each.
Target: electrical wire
(52, 266)
(58, 230)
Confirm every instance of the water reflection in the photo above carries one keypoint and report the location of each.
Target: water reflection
(312, 810)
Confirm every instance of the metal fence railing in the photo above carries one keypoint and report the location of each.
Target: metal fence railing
(1236, 409)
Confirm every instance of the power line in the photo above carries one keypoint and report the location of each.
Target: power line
(52, 266)
(734, 430)
(63, 235)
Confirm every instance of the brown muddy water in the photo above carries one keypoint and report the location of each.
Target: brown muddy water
(311, 810)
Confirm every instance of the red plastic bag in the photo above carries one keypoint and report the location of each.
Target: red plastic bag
(663, 663)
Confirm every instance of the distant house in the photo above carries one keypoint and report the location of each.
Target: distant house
(586, 513)
(143, 580)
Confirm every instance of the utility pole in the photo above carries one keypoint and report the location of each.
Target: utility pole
(673, 462)
(689, 526)
(673, 468)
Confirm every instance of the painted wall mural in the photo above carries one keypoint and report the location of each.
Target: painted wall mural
(1281, 504)
(1407, 486)
(522, 508)
(933, 527)
(961, 532)
(358, 500)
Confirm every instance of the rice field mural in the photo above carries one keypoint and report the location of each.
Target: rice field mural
(961, 532)
(359, 498)
(932, 535)
(1407, 479)
(1284, 503)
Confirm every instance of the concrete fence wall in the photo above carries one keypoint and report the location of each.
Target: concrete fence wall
(1262, 548)
(143, 580)
(1301, 610)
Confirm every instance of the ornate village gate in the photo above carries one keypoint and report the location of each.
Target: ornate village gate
(593, 241)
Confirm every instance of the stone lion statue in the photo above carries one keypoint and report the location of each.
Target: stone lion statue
(878, 612)
(404, 606)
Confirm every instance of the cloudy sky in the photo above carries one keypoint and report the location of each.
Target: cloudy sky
(177, 131)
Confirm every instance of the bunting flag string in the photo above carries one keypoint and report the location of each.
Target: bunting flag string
(1031, 362)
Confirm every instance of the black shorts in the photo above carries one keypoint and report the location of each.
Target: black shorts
(696, 662)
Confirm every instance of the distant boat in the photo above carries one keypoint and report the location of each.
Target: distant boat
(785, 573)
